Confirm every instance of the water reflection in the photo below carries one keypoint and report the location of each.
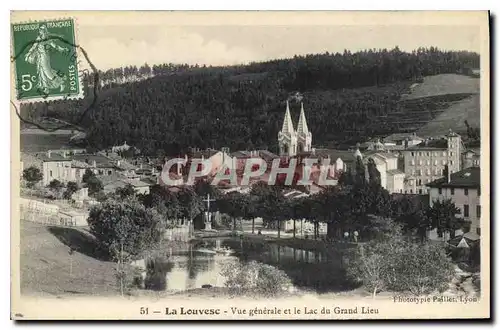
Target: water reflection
(184, 270)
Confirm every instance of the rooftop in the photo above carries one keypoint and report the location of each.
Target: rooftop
(394, 172)
(202, 153)
(333, 154)
(469, 177)
(434, 144)
(401, 137)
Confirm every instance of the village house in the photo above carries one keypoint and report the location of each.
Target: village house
(464, 189)
(471, 157)
(391, 178)
(426, 161)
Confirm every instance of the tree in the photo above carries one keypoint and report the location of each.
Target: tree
(87, 175)
(124, 192)
(190, 203)
(393, 262)
(94, 185)
(32, 175)
(443, 216)
(269, 204)
(71, 188)
(373, 172)
(56, 185)
(125, 227)
(411, 215)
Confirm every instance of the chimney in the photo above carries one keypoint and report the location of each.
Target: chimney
(94, 164)
(48, 153)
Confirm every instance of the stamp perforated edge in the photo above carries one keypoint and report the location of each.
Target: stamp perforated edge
(41, 99)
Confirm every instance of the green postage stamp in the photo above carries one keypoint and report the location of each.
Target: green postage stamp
(46, 61)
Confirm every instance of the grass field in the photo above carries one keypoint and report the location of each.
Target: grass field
(47, 268)
(443, 84)
(38, 142)
(454, 117)
(438, 104)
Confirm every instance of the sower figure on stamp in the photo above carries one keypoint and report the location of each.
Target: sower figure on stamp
(47, 78)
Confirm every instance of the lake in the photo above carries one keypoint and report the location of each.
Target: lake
(192, 268)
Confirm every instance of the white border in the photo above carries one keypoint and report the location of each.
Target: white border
(199, 4)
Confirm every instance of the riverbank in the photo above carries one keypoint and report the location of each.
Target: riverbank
(49, 269)
(297, 243)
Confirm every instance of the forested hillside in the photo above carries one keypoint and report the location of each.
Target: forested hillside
(169, 107)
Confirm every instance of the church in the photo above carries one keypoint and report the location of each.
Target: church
(293, 141)
(297, 143)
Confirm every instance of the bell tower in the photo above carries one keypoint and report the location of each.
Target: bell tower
(287, 137)
(304, 136)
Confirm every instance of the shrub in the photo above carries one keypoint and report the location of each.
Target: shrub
(401, 265)
(125, 227)
(255, 277)
(32, 175)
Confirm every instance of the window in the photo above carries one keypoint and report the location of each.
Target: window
(420, 191)
(466, 210)
(419, 183)
(412, 172)
(443, 162)
(420, 162)
(451, 153)
(440, 191)
(428, 153)
(412, 162)
(428, 162)
(436, 153)
(428, 171)
(412, 154)
(435, 162)
(436, 171)
(400, 190)
(478, 231)
(110, 172)
(466, 192)
(420, 153)
(478, 211)
(411, 191)
(479, 191)
(50, 173)
(451, 162)
(444, 153)
(452, 191)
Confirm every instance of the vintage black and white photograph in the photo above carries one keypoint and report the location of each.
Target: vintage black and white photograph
(250, 165)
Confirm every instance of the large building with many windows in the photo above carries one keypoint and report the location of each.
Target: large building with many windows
(464, 189)
(426, 161)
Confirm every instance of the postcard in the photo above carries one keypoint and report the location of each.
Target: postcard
(250, 165)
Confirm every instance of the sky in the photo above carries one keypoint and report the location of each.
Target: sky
(114, 39)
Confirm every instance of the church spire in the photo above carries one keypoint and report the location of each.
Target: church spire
(287, 122)
(302, 126)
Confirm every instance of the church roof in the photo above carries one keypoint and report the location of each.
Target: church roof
(287, 122)
(302, 125)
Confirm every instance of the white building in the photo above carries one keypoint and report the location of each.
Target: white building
(464, 189)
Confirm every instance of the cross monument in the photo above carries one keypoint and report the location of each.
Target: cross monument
(208, 214)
